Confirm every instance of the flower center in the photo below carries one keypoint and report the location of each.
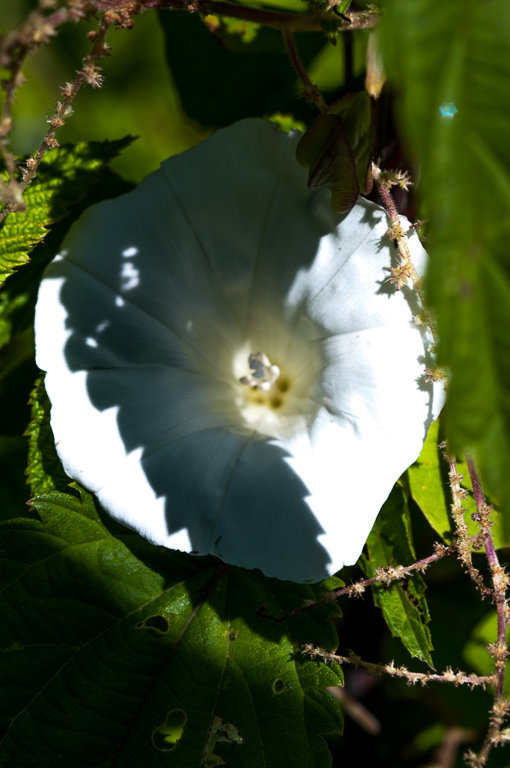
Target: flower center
(276, 396)
(262, 374)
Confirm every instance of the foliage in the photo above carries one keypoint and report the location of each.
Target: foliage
(118, 653)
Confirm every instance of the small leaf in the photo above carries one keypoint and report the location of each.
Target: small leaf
(355, 110)
(336, 148)
(325, 151)
(403, 604)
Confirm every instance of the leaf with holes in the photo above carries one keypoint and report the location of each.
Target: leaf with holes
(118, 653)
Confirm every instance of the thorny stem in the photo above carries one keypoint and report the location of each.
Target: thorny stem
(38, 28)
(297, 22)
(498, 650)
(384, 180)
(448, 676)
(462, 539)
(89, 73)
(310, 91)
(384, 576)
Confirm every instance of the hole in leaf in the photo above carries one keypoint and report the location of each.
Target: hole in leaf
(166, 736)
(278, 686)
(159, 623)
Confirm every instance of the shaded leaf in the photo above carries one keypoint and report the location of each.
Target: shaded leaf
(355, 110)
(336, 148)
(403, 604)
(259, 73)
(325, 151)
(116, 659)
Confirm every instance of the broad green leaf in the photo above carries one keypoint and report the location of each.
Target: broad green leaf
(117, 653)
(403, 604)
(450, 63)
(64, 176)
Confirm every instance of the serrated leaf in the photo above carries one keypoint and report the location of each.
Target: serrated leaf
(44, 470)
(64, 176)
(114, 658)
(403, 605)
(450, 63)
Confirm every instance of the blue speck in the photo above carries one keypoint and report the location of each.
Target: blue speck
(448, 110)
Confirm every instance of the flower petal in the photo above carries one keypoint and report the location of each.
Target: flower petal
(144, 325)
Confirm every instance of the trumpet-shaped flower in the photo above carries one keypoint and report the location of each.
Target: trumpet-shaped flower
(230, 370)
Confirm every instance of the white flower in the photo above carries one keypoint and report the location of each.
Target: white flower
(230, 370)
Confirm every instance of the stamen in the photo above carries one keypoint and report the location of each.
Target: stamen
(262, 373)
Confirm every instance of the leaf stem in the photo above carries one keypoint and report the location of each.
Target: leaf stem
(89, 73)
(310, 91)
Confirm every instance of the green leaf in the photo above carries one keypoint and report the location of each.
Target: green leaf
(325, 151)
(355, 111)
(64, 177)
(450, 63)
(121, 653)
(430, 488)
(44, 471)
(476, 652)
(428, 485)
(336, 149)
(403, 604)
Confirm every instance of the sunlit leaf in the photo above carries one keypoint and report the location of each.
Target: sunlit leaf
(429, 487)
(64, 176)
(450, 63)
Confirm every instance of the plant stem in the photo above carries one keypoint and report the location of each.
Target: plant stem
(310, 91)
(498, 650)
